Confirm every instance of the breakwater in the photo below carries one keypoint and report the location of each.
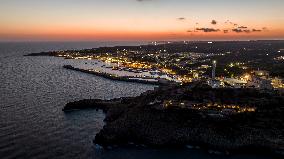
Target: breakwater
(121, 78)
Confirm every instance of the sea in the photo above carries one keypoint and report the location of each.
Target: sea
(33, 91)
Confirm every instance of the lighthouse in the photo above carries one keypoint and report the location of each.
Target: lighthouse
(214, 69)
(213, 82)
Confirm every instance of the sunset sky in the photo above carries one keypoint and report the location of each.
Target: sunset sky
(141, 19)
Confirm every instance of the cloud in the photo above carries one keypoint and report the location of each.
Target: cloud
(265, 29)
(226, 31)
(189, 31)
(213, 22)
(181, 18)
(207, 30)
(242, 27)
(256, 30)
(237, 30)
(231, 23)
(246, 31)
(241, 30)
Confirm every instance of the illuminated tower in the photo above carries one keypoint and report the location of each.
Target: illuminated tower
(214, 69)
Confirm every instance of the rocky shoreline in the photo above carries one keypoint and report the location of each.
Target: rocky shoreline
(149, 120)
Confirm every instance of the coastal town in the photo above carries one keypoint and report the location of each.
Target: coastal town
(223, 96)
(172, 62)
(141, 79)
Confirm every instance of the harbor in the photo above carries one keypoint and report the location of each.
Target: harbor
(113, 71)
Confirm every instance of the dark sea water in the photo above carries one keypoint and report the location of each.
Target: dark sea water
(33, 91)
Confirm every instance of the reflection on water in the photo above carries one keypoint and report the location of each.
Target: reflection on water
(33, 91)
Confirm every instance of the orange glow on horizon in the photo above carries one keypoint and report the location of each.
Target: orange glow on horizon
(76, 34)
(140, 20)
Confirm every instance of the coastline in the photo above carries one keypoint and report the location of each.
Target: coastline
(142, 80)
(140, 121)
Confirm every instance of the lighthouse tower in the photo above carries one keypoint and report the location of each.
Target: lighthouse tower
(214, 69)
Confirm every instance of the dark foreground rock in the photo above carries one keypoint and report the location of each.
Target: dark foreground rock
(150, 120)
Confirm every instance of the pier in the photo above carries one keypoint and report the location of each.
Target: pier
(143, 80)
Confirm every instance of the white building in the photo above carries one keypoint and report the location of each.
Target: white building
(215, 83)
(235, 83)
(261, 83)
